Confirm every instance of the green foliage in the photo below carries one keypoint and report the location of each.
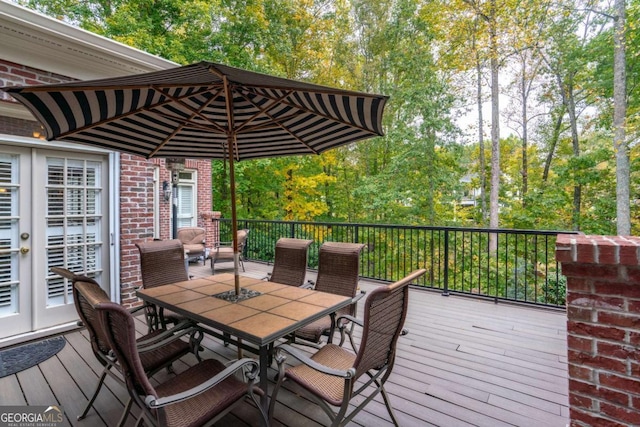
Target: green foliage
(423, 55)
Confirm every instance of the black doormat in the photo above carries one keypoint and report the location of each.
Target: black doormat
(19, 358)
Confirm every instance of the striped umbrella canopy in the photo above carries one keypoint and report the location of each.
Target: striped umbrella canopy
(204, 110)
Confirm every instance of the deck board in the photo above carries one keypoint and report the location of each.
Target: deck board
(466, 362)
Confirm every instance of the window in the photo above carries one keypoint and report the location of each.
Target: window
(187, 186)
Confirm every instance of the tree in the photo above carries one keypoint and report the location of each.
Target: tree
(620, 145)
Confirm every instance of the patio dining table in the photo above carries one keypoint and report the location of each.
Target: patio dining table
(274, 312)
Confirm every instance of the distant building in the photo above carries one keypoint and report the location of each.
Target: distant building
(471, 193)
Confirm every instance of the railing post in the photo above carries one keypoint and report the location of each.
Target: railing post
(445, 291)
(292, 231)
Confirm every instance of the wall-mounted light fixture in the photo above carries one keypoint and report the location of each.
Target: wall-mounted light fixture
(166, 191)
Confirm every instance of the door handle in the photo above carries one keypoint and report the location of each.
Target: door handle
(24, 250)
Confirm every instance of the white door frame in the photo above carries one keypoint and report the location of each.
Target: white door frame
(112, 246)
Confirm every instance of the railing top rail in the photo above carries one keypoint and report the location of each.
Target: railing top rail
(419, 227)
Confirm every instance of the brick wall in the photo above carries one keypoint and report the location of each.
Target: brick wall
(12, 74)
(137, 199)
(603, 327)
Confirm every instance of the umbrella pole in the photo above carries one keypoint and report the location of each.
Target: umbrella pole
(234, 217)
(234, 228)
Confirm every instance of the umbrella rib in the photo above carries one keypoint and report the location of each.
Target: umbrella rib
(277, 122)
(265, 111)
(109, 120)
(179, 128)
(196, 112)
(328, 91)
(261, 111)
(129, 113)
(317, 113)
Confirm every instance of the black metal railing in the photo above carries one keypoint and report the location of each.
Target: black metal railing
(503, 264)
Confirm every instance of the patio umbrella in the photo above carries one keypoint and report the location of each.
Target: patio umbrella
(204, 110)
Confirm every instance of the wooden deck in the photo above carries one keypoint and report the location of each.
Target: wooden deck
(465, 362)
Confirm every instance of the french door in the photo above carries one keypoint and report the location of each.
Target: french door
(52, 213)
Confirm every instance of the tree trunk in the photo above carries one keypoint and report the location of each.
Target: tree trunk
(525, 161)
(554, 142)
(495, 129)
(483, 161)
(619, 116)
(575, 141)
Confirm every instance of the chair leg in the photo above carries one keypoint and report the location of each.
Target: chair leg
(95, 394)
(195, 339)
(387, 403)
(274, 393)
(125, 414)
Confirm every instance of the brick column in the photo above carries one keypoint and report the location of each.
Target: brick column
(211, 225)
(603, 328)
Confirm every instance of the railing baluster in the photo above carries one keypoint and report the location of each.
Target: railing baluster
(450, 254)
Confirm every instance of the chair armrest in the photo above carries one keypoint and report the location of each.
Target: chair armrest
(358, 297)
(183, 328)
(153, 402)
(302, 357)
(350, 318)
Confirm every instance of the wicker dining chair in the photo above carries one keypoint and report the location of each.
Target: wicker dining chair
(158, 349)
(161, 262)
(199, 396)
(338, 273)
(290, 262)
(330, 375)
(223, 251)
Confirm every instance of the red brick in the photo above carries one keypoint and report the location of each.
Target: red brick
(581, 387)
(628, 290)
(586, 253)
(581, 344)
(581, 418)
(596, 331)
(597, 301)
(634, 275)
(564, 250)
(619, 382)
(580, 285)
(601, 362)
(581, 401)
(630, 255)
(578, 372)
(579, 314)
(612, 396)
(618, 319)
(590, 271)
(608, 252)
(618, 351)
(625, 415)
